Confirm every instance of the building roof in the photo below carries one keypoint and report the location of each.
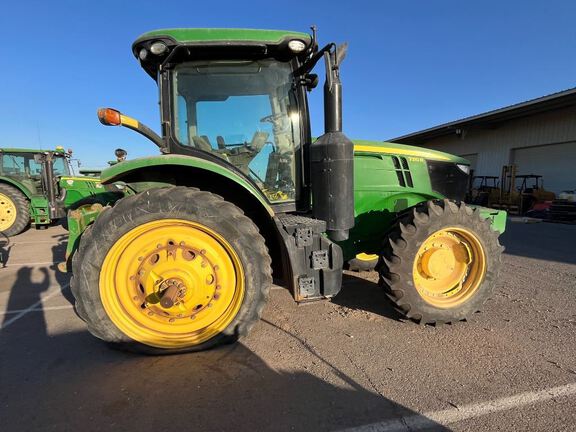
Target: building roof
(488, 119)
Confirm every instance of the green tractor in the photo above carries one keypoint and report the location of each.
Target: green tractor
(241, 195)
(37, 187)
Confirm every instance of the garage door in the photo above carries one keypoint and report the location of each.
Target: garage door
(556, 162)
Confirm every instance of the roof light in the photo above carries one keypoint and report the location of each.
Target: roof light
(158, 48)
(296, 46)
(464, 168)
(143, 54)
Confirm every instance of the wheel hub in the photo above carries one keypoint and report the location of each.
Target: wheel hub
(174, 282)
(437, 263)
(449, 267)
(7, 212)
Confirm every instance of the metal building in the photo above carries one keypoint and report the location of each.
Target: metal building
(538, 136)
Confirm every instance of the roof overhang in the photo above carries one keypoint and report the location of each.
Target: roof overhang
(492, 119)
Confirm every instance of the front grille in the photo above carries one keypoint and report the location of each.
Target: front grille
(402, 171)
(448, 180)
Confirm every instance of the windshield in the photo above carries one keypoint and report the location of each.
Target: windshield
(245, 113)
(24, 165)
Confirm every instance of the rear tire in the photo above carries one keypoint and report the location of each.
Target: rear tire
(441, 262)
(14, 210)
(207, 249)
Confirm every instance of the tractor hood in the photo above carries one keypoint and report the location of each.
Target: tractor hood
(361, 146)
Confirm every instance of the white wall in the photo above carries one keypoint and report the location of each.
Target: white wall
(495, 146)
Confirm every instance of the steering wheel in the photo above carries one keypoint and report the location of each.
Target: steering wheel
(270, 118)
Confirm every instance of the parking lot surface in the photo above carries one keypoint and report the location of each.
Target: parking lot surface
(349, 364)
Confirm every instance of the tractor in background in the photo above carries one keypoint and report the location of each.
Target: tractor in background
(519, 193)
(241, 195)
(38, 187)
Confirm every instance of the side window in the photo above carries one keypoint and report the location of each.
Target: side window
(182, 123)
(35, 169)
(12, 164)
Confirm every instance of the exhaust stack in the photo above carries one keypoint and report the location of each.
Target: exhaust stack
(332, 158)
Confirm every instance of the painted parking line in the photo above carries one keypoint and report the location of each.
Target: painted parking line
(453, 415)
(38, 309)
(32, 307)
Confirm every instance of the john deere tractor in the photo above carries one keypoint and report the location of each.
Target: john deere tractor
(241, 195)
(37, 187)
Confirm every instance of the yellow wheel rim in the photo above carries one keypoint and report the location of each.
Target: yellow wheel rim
(172, 283)
(7, 212)
(366, 257)
(449, 267)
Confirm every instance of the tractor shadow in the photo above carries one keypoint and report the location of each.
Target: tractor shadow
(360, 293)
(58, 377)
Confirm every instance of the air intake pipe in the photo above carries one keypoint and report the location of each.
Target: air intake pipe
(332, 158)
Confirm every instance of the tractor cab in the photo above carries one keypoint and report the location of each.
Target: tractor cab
(528, 183)
(26, 164)
(235, 100)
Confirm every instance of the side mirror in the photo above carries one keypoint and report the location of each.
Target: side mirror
(311, 81)
(109, 117)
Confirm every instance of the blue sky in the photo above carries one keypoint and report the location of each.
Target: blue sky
(411, 64)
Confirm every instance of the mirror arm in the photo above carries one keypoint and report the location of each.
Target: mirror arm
(309, 65)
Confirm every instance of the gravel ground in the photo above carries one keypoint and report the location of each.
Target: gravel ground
(333, 365)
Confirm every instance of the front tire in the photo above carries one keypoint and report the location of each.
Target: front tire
(441, 263)
(14, 210)
(171, 270)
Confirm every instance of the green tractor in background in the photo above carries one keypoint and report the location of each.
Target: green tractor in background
(241, 195)
(37, 186)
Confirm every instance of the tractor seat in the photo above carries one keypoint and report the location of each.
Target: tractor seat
(259, 140)
(202, 142)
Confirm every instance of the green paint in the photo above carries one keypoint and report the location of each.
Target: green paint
(78, 221)
(204, 35)
(378, 197)
(119, 171)
(496, 217)
(405, 150)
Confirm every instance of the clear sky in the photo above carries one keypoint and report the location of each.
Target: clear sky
(410, 65)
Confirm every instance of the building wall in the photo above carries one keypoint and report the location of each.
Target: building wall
(495, 147)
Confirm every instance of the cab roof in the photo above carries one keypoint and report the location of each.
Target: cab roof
(205, 43)
(204, 35)
(29, 150)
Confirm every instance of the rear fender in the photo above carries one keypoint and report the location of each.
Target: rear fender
(17, 185)
(175, 170)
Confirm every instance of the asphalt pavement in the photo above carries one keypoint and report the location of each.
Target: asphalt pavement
(350, 364)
